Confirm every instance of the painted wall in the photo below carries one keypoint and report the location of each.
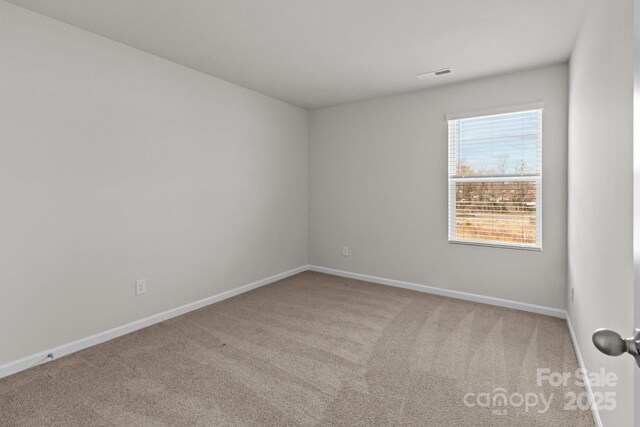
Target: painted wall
(601, 190)
(378, 184)
(116, 165)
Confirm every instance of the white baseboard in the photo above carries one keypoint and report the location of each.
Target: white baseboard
(548, 311)
(587, 384)
(65, 349)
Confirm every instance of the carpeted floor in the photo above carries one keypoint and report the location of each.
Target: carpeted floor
(312, 349)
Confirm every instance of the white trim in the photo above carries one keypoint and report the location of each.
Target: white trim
(496, 110)
(548, 311)
(587, 384)
(537, 178)
(495, 244)
(65, 349)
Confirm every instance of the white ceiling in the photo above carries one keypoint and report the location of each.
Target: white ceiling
(315, 53)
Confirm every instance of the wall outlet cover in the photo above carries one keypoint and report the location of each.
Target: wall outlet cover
(141, 286)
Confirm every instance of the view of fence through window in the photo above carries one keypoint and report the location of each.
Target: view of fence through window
(500, 211)
(495, 178)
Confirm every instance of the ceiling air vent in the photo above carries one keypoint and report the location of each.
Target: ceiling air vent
(433, 74)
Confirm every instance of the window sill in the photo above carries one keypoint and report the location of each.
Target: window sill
(496, 245)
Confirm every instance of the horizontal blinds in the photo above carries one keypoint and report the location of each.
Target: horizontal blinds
(495, 179)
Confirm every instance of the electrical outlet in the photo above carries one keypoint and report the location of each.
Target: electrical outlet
(345, 251)
(572, 293)
(141, 286)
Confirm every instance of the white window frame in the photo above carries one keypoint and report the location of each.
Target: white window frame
(453, 179)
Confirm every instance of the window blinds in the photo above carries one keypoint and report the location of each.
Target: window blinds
(495, 179)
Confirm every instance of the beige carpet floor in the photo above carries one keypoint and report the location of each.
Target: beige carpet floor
(312, 349)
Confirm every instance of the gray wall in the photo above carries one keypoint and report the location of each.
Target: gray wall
(601, 190)
(378, 184)
(116, 165)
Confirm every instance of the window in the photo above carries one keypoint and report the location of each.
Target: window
(495, 178)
